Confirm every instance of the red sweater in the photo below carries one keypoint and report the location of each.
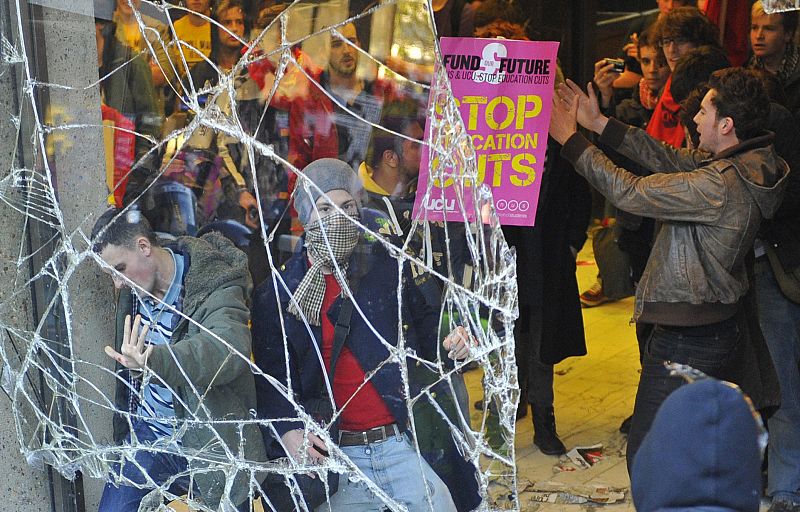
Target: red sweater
(367, 410)
(664, 124)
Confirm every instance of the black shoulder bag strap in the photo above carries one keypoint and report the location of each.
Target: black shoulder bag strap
(342, 330)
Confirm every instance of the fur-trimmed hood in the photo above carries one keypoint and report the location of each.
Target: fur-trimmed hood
(212, 262)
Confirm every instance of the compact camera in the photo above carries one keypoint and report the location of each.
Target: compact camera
(619, 64)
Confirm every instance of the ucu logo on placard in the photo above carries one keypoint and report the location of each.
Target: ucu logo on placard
(512, 205)
(493, 53)
(441, 204)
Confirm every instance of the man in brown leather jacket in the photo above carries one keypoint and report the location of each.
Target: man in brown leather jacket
(710, 203)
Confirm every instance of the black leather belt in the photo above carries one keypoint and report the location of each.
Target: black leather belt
(365, 437)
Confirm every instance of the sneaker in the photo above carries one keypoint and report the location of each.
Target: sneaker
(781, 504)
(594, 296)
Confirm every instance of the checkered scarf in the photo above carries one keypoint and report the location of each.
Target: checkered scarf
(329, 239)
(789, 65)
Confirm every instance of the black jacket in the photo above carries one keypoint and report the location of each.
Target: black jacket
(545, 264)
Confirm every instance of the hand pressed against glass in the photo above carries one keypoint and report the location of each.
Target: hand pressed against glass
(133, 353)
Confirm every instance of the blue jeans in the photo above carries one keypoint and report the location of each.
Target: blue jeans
(396, 468)
(159, 467)
(706, 348)
(780, 323)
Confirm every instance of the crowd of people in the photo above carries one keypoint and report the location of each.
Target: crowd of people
(227, 131)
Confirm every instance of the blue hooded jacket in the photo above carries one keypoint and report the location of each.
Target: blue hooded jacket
(701, 454)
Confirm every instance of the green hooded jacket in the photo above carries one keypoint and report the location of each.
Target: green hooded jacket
(212, 379)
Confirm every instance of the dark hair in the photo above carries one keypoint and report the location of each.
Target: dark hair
(695, 68)
(687, 23)
(504, 29)
(647, 39)
(491, 10)
(383, 140)
(689, 108)
(741, 96)
(121, 229)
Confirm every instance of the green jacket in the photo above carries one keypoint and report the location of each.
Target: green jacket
(212, 379)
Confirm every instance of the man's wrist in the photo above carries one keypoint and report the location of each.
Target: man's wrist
(605, 97)
(599, 124)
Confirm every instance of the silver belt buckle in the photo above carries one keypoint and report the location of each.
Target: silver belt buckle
(366, 439)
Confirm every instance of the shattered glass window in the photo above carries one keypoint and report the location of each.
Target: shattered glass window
(771, 6)
(201, 117)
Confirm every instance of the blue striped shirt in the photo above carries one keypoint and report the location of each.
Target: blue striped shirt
(155, 404)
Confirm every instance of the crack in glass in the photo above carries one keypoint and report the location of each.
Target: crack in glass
(52, 385)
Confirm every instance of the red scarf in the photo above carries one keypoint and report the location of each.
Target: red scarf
(665, 125)
(647, 98)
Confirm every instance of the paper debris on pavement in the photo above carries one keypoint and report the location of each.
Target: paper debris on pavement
(586, 456)
(558, 492)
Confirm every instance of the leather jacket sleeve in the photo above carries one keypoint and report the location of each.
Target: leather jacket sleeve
(654, 155)
(697, 196)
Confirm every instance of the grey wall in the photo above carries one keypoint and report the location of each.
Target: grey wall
(65, 53)
(23, 487)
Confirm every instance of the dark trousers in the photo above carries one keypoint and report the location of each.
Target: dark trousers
(706, 348)
(535, 378)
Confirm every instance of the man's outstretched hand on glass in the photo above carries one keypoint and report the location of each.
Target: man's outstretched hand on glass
(572, 106)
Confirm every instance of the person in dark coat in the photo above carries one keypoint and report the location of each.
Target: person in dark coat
(295, 342)
(550, 324)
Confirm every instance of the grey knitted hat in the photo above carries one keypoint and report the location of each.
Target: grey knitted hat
(327, 174)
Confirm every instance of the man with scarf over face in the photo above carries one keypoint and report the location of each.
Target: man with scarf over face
(297, 342)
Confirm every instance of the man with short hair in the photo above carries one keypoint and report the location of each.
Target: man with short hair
(771, 36)
(710, 203)
(182, 348)
(194, 30)
(323, 124)
(393, 167)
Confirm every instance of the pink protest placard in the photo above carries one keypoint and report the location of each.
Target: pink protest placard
(504, 90)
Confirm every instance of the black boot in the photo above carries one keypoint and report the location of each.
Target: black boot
(544, 431)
